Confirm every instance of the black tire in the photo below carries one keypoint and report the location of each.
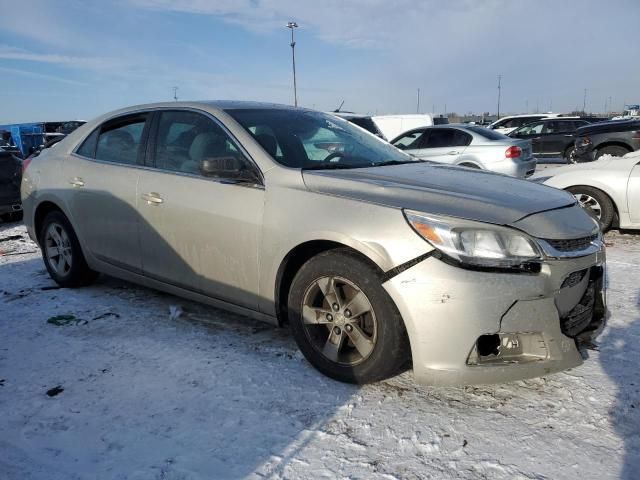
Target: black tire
(569, 155)
(613, 150)
(79, 274)
(607, 210)
(390, 352)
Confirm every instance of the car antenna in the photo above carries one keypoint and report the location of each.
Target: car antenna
(337, 110)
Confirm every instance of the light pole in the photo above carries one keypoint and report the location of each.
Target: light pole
(499, 92)
(292, 25)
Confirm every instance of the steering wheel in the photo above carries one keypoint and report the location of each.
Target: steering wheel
(333, 155)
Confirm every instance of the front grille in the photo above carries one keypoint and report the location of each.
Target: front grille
(589, 314)
(579, 318)
(572, 245)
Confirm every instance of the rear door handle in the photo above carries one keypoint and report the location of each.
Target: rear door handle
(77, 182)
(152, 198)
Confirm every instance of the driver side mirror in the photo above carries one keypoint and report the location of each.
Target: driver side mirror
(229, 168)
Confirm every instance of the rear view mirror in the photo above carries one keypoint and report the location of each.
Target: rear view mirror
(230, 168)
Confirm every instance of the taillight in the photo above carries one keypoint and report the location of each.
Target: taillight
(25, 164)
(513, 152)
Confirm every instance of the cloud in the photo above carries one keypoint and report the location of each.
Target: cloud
(41, 76)
(9, 52)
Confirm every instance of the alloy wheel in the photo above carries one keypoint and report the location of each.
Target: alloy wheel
(588, 202)
(58, 249)
(339, 320)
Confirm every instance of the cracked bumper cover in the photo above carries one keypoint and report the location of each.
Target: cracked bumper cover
(446, 309)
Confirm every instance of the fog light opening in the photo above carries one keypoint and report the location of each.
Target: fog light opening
(488, 345)
(508, 348)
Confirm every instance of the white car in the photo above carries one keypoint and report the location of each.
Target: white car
(506, 125)
(390, 126)
(608, 187)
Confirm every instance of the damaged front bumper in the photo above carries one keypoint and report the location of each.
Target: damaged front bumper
(470, 327)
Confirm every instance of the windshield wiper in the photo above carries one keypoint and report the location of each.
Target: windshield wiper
(396, 162)
(332, 166)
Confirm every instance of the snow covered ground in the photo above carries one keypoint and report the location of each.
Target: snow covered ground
(148, 395)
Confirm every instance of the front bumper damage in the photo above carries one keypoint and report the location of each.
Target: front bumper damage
(471, 327)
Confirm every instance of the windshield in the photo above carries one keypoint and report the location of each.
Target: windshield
(308, 139)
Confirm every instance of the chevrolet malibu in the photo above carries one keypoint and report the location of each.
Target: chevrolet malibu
(376, 260)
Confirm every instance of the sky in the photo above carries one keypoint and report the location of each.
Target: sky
(74, 59)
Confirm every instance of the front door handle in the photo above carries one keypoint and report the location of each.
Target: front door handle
(453, 152)
(77, 182)
(152, 198)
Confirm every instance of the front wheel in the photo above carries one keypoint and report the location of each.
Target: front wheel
(62, 254)
(343, 320)
(596, 203)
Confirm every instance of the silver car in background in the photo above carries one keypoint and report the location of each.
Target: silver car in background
(470, 146)
(376, 260)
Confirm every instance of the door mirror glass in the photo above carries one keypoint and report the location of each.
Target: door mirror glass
(228, 167)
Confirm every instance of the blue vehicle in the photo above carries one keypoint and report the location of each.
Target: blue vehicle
(28, 138)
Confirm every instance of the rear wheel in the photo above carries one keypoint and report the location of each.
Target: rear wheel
(613, 150)
(596, 203)
(62, 254)
(344, 322)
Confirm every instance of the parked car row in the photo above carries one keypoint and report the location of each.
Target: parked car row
(376, 259)
(390, 126)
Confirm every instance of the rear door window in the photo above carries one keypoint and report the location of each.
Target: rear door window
(121, 140)
(558, 126)
(446, 137)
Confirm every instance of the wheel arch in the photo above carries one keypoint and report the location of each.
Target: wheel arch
(613, 143)
(295, 259)
(45, 207)
(616, 216)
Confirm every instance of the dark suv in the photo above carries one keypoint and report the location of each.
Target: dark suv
(551, 137)
(10, 178)
(616, 137)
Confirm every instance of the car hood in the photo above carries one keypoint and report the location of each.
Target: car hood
(453, 191)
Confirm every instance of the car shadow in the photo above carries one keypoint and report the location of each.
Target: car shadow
(177, 388)
(620, 358)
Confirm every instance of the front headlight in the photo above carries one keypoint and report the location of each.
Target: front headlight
(477, 244)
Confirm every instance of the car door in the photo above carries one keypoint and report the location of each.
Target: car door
(633, 194)
(199, 233)
(103, 175)
(443, 145)
(556, 136)
(533, 132)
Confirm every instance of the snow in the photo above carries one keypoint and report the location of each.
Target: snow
(156, 387)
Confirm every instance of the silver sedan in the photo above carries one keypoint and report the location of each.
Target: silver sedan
(375, 259)
(470, 146)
